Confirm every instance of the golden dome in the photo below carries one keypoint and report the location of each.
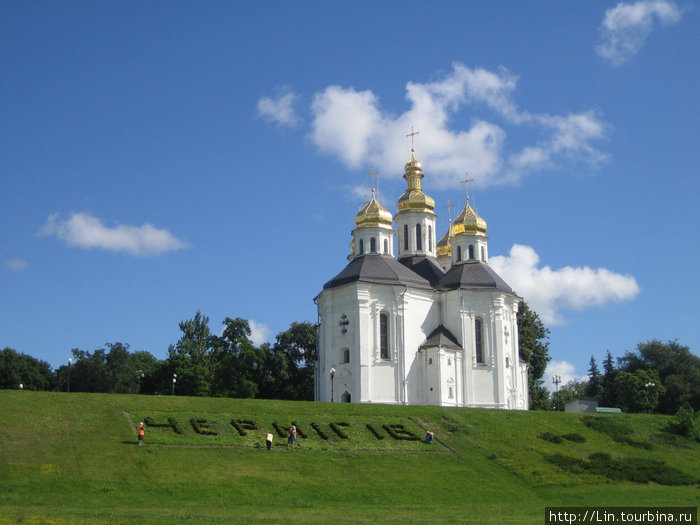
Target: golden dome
(374, 215)
(469, 223)
(444, 246)
(413, 198)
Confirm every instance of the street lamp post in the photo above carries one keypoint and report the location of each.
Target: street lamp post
(556, 380)
(174, 381)
(69, 363)
(141, 376)
(649, 387)
(332, 376)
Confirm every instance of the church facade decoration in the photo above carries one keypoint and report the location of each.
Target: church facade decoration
(434, 325)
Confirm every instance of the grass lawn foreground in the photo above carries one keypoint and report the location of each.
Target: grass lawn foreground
(73, 458)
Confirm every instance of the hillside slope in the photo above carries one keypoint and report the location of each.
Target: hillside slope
(72, 458)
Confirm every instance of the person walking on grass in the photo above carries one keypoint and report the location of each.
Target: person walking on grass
(141, 432)
(291, 440)
(268, 440)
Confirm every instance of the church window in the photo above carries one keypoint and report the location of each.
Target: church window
(430, 238)
(451, 393)
(449, 362)
(483, 254)
(459, 253)
(478, 337)
(419, 240)
(430, 360)
(345, 355)
(373, 245)
(384, 336)
(471, 252)
(386, 246)
(405, 236)
(362, 246)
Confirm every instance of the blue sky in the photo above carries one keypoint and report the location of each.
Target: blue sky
(159, 158)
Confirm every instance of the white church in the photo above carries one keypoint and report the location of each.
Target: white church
(433, 326)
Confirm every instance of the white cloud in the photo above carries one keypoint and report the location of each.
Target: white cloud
(17, 264)
(259, 333)
(548, 291)
(85, 231)
(626, 27)
(352, 126)
(566, 372)
(279, 110)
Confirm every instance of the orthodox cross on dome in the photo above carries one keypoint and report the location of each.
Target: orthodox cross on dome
(412, 134)
(466, 182)
(373, 174)
(449, 209)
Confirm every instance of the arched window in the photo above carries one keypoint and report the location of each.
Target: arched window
(373, 245)
(483, 254)
(384, 336)
(419, 240)
(386, 246)
(345, 358)
(430, 238)
(479, 340)
(471, 252)
(405, 236)
(362, 246)
(459, 253)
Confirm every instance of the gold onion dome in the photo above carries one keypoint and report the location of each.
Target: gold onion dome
(469, 223)
(374, 215)
(413, 198)
(444, 246)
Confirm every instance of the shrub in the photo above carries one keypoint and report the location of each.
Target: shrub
(172, 423)
(551, 437)
(684, 423)
(456, 428)
(201, 426)
(638, 470)
(241, 425)
(399, 432)
(335, 427)
(320, 432)
(616, 429)
(374, 431)
(575, 437)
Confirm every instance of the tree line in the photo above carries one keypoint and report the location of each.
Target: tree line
(656, 378)
(199, 364)
(659, 377)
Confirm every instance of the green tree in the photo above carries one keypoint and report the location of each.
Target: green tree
(291, 363)
(594, 386)
(193, 358)
(240, 367)
(570, 391)
(677, 368)
(638, 391)
(608, 397)
(16, 369)
(534, 349)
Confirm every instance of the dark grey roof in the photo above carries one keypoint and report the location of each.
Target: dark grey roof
(427, 267)
(441, 337)
(379, 269)
(469, 275)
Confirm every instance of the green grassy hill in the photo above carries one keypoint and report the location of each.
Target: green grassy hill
(73, 458)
